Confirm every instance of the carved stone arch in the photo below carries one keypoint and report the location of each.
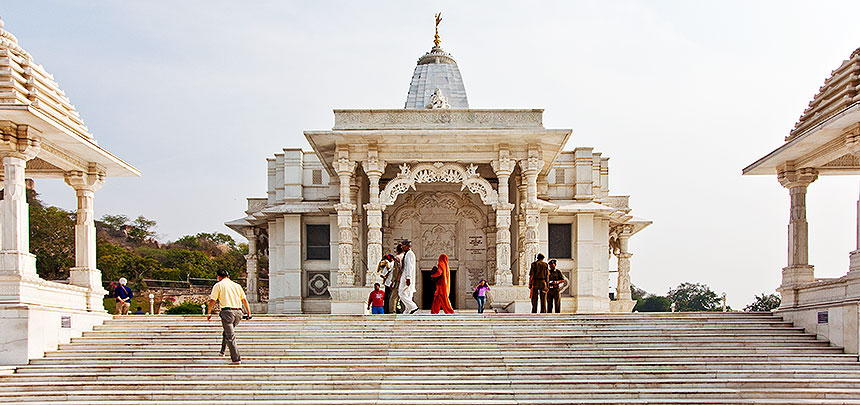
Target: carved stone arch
(438, 173)
(472, 213)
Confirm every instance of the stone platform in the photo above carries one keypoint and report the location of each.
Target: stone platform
(465, 358)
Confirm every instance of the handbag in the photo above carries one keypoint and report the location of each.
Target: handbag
(475, 294)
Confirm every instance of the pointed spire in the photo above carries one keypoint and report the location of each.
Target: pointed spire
(436, 39)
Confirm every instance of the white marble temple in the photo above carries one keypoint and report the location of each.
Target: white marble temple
(489, 187)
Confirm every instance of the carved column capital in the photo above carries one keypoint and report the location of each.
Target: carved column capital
(20, 141)
(504, 165)
(373, 165)
(789, 177)
(344, 167)
(92, 180)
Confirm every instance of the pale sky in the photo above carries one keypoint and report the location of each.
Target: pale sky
(681, 95)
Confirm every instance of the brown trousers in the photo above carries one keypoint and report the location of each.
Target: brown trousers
(122, 307)
(538, 295)
(229, 320)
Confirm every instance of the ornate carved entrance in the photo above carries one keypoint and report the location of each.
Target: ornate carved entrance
(440, 219)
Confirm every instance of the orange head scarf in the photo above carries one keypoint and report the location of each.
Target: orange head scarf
(446, 273)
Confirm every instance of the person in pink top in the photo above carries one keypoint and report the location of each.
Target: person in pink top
(481, 294)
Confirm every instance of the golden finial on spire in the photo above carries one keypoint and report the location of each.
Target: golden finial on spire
(436, 38)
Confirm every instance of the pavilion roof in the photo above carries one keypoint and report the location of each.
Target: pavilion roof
(818, 139)
(29, 95)
(840, 91)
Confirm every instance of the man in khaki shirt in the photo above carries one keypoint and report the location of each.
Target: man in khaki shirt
(232, 298)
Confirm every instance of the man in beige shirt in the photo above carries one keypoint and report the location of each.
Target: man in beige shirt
(232, 298)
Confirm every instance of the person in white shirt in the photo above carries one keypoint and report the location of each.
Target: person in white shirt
(407, 279)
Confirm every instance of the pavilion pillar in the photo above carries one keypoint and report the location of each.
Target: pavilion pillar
(251, 264)
(345, 169)
(852, 141)
(798, 270)
(373, 167)
(623, 290)
(530, 168)
(503, 168)
(86, 273)
(19, 144)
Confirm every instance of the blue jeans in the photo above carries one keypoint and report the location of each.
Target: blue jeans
(377, 310)
(481, 301)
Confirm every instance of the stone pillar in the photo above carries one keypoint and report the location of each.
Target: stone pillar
(523, 262)
(85, 273)
(503, 167)
(531, 168)
(582, 279)
(355, 199)
(251, 280)
(374, 168)
(852, 141)
(19, 144)
(624, 256)
(798, 270)
(345, 170)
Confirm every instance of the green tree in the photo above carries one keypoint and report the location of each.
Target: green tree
(141, 229)
(689, 297)
(114, 223)
(653, 303)
(764, 303)
(52, 238)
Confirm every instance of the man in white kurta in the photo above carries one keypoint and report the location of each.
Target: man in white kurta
(407, 279)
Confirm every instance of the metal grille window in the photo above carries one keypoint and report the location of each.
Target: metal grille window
(318, 242)
(317, 176)
(559, 176)
(560, 241)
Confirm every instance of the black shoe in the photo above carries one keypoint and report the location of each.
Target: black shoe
(413, 311)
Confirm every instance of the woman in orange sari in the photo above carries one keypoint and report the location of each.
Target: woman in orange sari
(442, 275)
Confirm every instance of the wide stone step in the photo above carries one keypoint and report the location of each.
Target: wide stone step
(469, 353)
(468, 386)
(142, 374)
(359, 359)
(443, 392)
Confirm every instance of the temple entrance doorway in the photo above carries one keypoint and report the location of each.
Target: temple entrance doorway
(441, 218)
(428, 289)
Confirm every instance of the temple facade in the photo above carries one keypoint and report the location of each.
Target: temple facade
(488, 187)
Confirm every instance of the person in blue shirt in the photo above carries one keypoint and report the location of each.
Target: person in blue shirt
(123, 297)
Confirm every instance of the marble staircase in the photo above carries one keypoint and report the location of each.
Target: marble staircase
(466, 358)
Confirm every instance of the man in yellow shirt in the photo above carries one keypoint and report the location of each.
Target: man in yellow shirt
(232, 297)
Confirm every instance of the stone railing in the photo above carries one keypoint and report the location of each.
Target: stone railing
(619, 202)
(439, 118)
(256, 205)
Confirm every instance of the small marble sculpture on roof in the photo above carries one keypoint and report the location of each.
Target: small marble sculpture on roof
(438, 100)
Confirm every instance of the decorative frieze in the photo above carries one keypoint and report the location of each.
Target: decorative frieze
(437, 119)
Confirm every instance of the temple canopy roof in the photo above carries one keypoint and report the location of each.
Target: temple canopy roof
(30, 96)
(818, 140)
(437, 69)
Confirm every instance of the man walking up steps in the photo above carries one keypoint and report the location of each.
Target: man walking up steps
(232, 298)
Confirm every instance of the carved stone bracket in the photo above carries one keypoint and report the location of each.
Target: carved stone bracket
(852, 139)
